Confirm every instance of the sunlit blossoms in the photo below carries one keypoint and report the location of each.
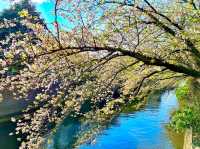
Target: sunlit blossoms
(103, 53)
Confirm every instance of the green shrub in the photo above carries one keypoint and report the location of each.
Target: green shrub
(182, 92)
(188, 117)
(189, 114)
(182, 119)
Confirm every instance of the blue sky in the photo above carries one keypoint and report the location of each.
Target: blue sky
(46, 10)
(45, 7)
(3, 5)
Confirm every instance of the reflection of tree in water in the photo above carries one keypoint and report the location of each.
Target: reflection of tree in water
(66, 133)
(154, 99)
(70, 133)
(5, 129)
(177, 139)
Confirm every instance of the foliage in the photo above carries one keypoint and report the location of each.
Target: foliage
(13, 15)
(111, 47)
(196, 139)
(182, 91)
(188, 115)
(23, 13)
(185, 118)
(13, 54)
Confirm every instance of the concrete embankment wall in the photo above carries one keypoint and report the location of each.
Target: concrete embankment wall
(188, 140)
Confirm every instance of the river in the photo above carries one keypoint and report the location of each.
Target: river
(143, 129)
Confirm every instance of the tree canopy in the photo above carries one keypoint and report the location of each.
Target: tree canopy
(136, 45)
(13, 29)
(11, 15)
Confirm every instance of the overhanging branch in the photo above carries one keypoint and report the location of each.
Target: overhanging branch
(139, 56)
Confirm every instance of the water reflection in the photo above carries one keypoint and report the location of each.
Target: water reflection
(144, 129)
(6, 141)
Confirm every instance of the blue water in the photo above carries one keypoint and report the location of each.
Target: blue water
(6, 141)
(144, 129)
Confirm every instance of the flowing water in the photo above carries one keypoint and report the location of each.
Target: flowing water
(144, 129)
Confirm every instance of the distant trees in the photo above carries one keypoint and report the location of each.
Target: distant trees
(12, 25)
(12, 15)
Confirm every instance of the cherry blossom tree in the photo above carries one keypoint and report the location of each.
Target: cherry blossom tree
(95, 49)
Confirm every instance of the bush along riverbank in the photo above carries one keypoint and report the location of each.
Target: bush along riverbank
(188, 116)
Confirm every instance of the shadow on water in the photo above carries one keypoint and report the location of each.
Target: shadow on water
(143, 129)
(8, 108)
(6, 141)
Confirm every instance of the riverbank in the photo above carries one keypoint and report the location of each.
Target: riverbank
(187, 117)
